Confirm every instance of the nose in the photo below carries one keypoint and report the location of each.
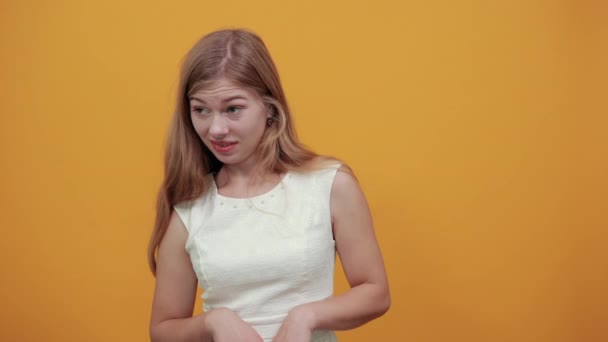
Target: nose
(218, 127)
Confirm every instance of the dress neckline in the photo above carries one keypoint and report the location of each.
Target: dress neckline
(271, 192)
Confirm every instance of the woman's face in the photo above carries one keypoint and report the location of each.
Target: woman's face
(230, 119)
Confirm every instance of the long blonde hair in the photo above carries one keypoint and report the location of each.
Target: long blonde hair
(240, 56)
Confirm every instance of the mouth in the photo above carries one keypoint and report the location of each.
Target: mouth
(223, 146)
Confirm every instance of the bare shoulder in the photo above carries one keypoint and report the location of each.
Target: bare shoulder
(346, 194)
(172, 255)
(345, 177)
(345, 182)
(175, 289)
(176, 233)
(354, 234)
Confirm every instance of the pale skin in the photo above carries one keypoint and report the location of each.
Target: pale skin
(241, 120)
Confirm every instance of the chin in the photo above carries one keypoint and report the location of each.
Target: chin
(227, 160)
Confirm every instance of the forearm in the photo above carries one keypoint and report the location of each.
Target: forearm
(357, 306)
(192, 329)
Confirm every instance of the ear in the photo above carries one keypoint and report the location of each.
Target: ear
(273, 108)
(271, 112)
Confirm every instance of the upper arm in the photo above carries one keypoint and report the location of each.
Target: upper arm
(354, 233)
(175, 291)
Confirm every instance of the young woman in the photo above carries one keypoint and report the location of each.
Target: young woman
(252, 216)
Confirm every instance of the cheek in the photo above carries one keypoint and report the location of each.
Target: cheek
(260, 122)
(257, 130)
(250, 128)
(199, 127)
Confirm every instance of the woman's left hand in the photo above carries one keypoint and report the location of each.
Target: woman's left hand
(297, 326)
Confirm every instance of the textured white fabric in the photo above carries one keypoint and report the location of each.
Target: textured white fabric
(264, 255)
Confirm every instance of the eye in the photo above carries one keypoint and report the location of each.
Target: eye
(233, 109)
(200, 110)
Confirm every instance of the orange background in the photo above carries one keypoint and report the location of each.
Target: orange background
(478, 130)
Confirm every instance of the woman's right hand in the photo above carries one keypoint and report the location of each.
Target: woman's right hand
(226, 326)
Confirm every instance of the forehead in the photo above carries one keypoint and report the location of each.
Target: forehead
(222, 89)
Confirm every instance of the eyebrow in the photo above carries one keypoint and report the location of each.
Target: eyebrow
(228, 99)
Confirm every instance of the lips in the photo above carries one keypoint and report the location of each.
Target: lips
(223, 146)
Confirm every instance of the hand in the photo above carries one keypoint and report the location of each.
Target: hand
(226, 326)
(297, 326)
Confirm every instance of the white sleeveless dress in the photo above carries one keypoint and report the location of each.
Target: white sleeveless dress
(264, 255)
